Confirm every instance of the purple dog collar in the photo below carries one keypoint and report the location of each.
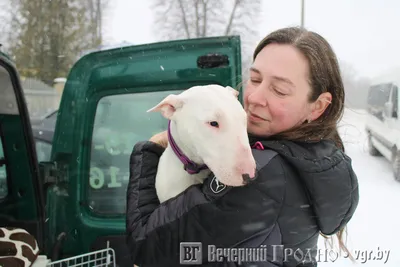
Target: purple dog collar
(188, 165)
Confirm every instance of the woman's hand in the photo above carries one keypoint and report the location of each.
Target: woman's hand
(160, 138)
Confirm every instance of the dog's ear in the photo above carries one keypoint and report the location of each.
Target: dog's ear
(234, 92)
(168, 106)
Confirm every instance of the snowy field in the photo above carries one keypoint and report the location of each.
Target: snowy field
(372, 232)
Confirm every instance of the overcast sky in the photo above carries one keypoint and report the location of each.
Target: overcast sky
(364, 33)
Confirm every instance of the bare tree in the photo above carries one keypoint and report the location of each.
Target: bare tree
(185, 19)
(45, 37)
(9, 22)
(94, 14)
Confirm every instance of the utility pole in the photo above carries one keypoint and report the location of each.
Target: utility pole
(302, 13)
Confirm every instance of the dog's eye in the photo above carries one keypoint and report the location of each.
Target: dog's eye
(214, 124)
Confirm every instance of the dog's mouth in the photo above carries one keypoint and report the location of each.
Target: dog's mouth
(247, 179)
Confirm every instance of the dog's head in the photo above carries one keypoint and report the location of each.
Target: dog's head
(209, 123)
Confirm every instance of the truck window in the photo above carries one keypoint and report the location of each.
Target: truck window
(120, 122)
(377, 97)
(379, 94)
(3, 173)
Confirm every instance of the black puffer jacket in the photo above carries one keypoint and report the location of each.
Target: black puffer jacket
(301, 189)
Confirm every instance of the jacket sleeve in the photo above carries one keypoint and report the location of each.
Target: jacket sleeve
(223, 219)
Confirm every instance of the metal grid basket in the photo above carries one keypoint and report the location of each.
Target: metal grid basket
(99, 258)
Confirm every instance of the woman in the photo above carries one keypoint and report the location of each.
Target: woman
(306, 184)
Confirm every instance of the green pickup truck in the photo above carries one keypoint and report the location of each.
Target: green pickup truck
(75, 203)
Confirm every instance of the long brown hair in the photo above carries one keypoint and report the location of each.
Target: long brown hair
(324, 76)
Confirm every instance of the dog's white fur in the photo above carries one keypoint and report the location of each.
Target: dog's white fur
(225, 149)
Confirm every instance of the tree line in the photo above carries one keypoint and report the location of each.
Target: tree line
(45, 37)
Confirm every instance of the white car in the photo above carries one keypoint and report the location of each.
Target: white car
(382, 123)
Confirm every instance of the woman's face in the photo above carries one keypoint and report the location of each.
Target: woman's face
(276, 96)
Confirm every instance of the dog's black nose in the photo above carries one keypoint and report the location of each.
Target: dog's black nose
(246, 178)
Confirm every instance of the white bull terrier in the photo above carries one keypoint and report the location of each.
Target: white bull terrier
(207, 132)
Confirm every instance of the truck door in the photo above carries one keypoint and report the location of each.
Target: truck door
(21, 191)
(103, 114)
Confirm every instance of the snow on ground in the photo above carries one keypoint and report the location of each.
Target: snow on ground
(373, 230)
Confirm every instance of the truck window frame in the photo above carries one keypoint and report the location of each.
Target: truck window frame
(394, 99)
(4, 166)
